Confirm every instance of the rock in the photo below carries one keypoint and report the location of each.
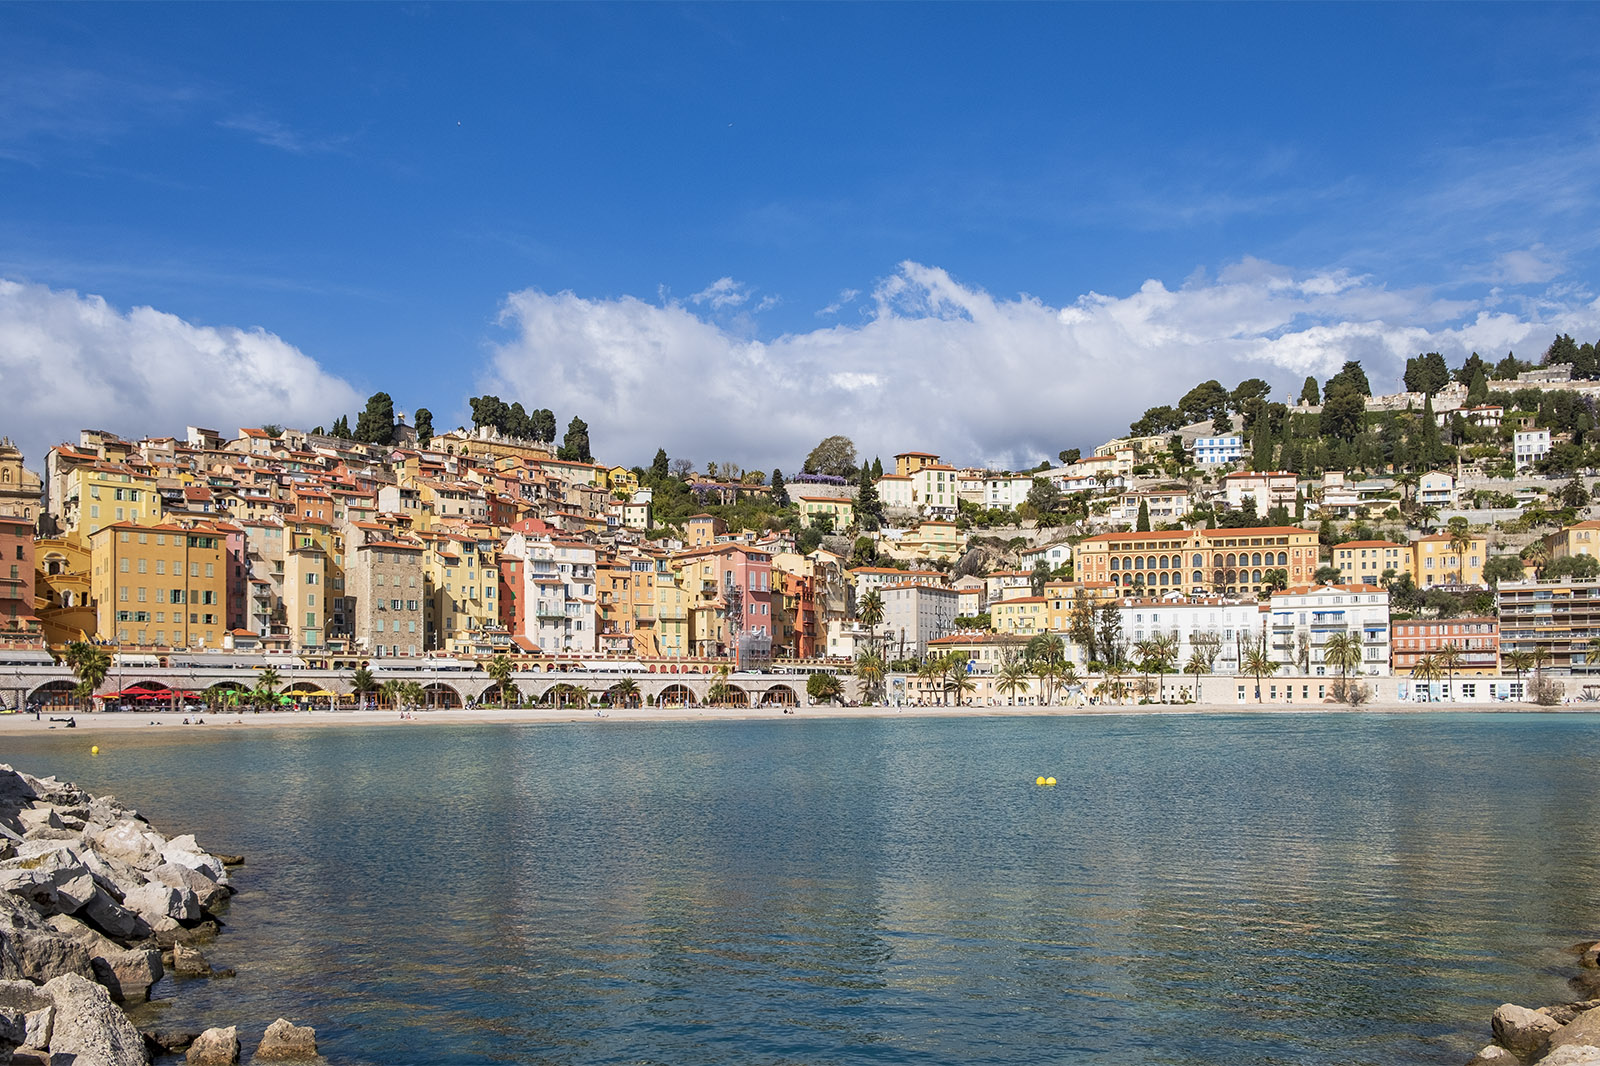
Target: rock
(1573, 1055)
(208, 894)
(36, 1009)
(198, 934)
(189, 962)
(167, 1041)
(1589, 956)
(1521, 1031)
(51, 875)
(89, 1028)
(214, 1047)
(1582, 1030)
(31, 950)
(1494, 1055)
(113, 919)
(56, 793)
(229, 860)
(153, 901)
(13, 1031)
(285, 1041)
(38, 818)
(185, 852)
(131, 842)
(128, 974)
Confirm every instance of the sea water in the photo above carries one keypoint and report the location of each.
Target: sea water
(1306, 889)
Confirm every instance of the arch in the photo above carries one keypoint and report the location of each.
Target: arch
(439, 694)
(301, 688)
(1232, 577)
(564, 695)
(1255, 560)
(780, 696)
(1255, 575)
(736, 697)
(1116, 564)
(1283, 558)
(1199, 560)
(491, 695)
(1199, 577)
(55, 694)
(676, 696)
(1221, 576)
(633, 699)
(1232, 561)
(1164, 577)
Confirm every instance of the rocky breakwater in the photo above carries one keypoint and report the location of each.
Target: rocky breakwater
(95, 906)
(1564, 1034)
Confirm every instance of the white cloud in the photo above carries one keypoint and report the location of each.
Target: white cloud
(70, 361)
(1529, 266)
(722, 293)
(941, 366)
(846, 296)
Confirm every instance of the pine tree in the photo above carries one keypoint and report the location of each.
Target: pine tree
(1143, 524)
(869, 509)
(658, 465)
(341, 428)
(1309, 393)
(424, 426)
(1478, 388)
(877, 468)
(376, 423)
(780, 493)
(575, 445)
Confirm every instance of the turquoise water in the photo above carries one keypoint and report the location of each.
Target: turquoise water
(1224, 889)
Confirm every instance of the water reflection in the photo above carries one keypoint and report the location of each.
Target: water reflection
(1341, 889)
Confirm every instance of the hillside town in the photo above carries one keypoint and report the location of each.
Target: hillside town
(1229, 549)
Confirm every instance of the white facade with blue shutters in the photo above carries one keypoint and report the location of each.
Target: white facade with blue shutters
(1214, 451)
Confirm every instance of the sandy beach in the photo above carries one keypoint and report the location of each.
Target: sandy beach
(116, 721)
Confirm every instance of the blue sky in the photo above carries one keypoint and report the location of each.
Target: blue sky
(993, 231)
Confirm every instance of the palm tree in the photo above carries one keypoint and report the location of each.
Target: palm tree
(91, 663)
(1013, 677)
(393, 691)
(1197, 665)
(1536, 555)
(363, 682)
(1065, 675)
(1145, 650)
(624, 693)
(870, 613)
(1460, 543)
(719, 690)
(871, 670)
(1427, 668)
(267, 682)
(1344, 651)
(499, 670)
(1450, 659)
(931, 669)
(824, 688)
(1518, 661)
(957, 680)
(1258, 663)
(413, 693)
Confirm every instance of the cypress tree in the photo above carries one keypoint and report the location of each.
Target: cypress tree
(780, 492)
(1143, 525)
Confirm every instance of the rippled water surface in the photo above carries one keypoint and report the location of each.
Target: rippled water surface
(1293, 889)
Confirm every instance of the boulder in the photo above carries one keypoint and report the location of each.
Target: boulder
(208, 894)
(1589, 956)
(1573, 1055)
(113, 919)
(153, 901)
(214, 1047)
(1521, 1031)
(185, 852)
(286, 1042)
(31, 950)
(56, 793)
(201, 932)
(131, 842)
(1582, 1030)
(54, 878)
(13, 1031)
(89, 1028)
(1494, 1055)
(189, 962)
(36, 1009)
(128, 973)
(38, 818)
(168, 1041)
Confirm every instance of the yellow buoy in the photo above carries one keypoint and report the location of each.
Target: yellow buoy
(1038, 780)
(94, 750)
(1049, 780)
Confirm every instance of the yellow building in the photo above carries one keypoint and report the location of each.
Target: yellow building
(63, 594)
(100, 494)
(672, 610)
(1364, 562)
(1025, 616)
(159, 586)
(1582, 538)
(928, 542)
(460, 612)
(1210, 562)
(814, 508)
(1435, 560)
(621, 479)
(908, 463)
(626, 608)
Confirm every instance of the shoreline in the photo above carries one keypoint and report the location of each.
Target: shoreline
(122, 721)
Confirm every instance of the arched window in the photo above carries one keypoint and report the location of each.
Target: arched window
(1255, 575)
(1232, 561)
(1221, 577)
(1255, 560)
(1199, 560)
(1199, 577)
(1283, 558)
(1138, 562)
(1116, 564)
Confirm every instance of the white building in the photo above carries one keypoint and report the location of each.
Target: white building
(1268, 488)
(1006, 491)
(894, 490)
(1053, 556)
(1166, 505)
(1437, 489)
(1214, 451)
(933, 491)
(1530, 445)
(558, 592)
(1309, 615)
(1235, 624)
(916, 614)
